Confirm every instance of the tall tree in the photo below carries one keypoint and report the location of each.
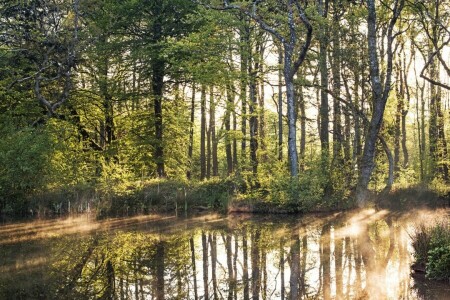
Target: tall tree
(380, 93)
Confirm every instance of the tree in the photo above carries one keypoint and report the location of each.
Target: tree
(380, 92)
(292, 60)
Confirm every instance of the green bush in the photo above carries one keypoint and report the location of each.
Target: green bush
(432, 249)
(438, 266)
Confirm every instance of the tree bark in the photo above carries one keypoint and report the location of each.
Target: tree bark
(157, 70)
(324, 107)
(212, 128)
(379, 95)
(191, 133)
(203, 133)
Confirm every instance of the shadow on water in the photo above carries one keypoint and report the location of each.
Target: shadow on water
(355, 255)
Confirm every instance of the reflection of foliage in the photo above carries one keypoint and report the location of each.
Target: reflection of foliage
(103, 266)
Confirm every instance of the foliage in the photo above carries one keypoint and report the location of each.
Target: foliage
(431, 244)
(438, 266)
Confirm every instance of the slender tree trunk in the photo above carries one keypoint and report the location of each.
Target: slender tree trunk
(324, 108)
(191, 133)
(244, 53)
(212, 128)
(203, 133)
(208, 153)
(302, 109)
(280, 104)
(262, 119)
(398, 118)
(292, 121)
(336, 74)
(252, 71)
(228, 150)
(158, 67)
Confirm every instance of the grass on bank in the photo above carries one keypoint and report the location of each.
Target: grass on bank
(431, 244)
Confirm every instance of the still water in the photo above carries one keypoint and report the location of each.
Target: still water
(353, 255)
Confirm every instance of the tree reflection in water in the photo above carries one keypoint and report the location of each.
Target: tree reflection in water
(341, 256)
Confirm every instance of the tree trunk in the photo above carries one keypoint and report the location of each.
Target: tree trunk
(280, 103)
(191, 133)
(157, 70)
(252, 71)
(301, 105)
(212, 129)
(336, 74)
(244, 53)
(262, 120)
(323, 112)
(379, 95)
(203, 133)
(227, 121)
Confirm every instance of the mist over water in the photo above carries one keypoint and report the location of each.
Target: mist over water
(355, 255)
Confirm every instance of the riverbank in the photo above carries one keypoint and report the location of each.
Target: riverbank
(223, 196)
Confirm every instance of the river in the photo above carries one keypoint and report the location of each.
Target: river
(362, 254)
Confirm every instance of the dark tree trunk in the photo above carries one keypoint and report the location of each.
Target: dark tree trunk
(191, 133)
(262, 119)
(244, 53)
(323, 112)
(203, 133)
(157, 65)
(336, 74)
(227, 121)
(212, 129)
(253, 117)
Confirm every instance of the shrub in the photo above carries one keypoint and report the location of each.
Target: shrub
(431, 244)
(438, 266)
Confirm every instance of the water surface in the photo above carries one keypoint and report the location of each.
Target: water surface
(354, 255)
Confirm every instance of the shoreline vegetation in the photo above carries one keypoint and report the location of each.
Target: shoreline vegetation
(217, 195)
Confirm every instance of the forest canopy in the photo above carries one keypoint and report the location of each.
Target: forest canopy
(301, 103)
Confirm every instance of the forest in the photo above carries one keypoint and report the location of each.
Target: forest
(134, 106)
(224, 149)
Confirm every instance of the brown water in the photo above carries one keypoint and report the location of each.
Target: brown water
(355, 255)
